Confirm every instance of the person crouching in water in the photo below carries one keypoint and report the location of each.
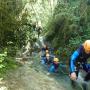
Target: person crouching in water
(43, 54)
(79, 58)
(46, 57)
(54, 66)
(49, 59)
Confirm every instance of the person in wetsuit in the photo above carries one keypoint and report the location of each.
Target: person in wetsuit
(79, 60)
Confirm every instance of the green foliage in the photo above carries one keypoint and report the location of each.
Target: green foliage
(2, 58)
(6, 63)
(69, 26)
(12, 36)
(8, 22)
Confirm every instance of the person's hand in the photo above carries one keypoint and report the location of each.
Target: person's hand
(73, 76)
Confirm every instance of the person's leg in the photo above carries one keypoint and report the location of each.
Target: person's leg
(86, 67)
(42, 60)
(84, 86)
(51, 69)
(87, 77)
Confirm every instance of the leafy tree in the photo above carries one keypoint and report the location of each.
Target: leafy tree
(69, 25)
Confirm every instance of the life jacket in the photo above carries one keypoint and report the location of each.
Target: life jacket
(82, 58)
(49, 61)
(56, 65)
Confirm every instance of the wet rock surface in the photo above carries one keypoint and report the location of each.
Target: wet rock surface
(33, 76)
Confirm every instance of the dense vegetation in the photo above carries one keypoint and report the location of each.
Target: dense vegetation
(69, 26)
(20, 21)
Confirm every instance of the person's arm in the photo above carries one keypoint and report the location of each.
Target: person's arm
(72, 61)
